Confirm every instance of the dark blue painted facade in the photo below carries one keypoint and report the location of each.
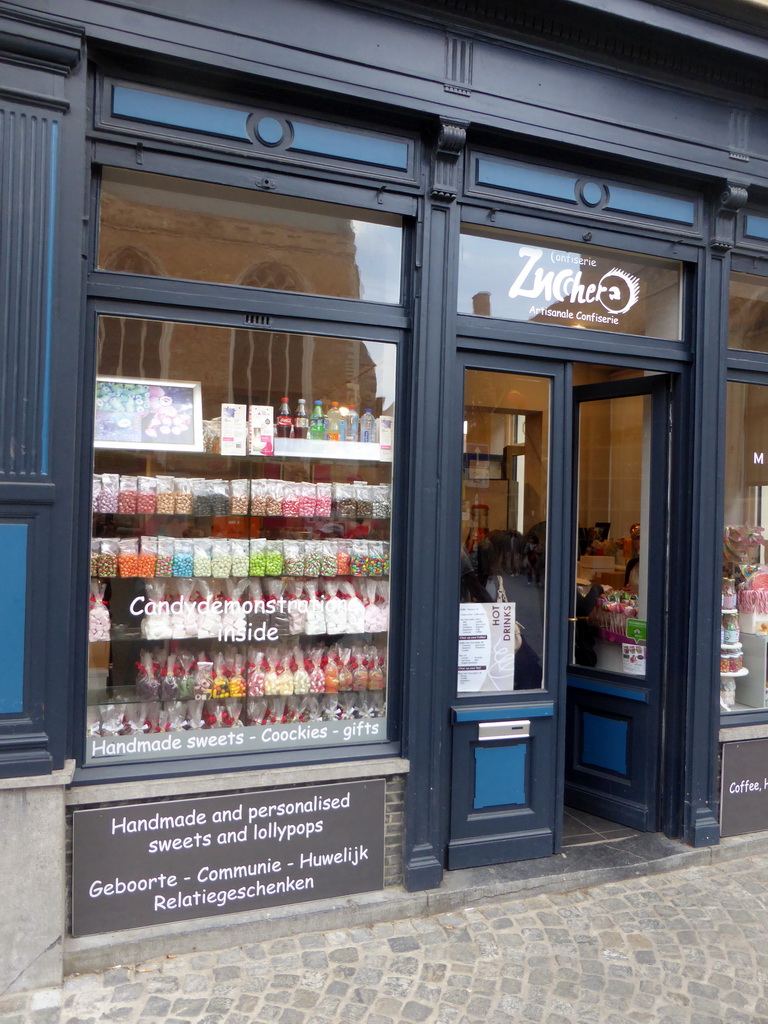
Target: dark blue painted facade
(660, 149)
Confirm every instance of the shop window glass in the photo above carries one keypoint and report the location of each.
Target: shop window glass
(744, 627)
(504, 532)
(197, 231)
(520, 277)
(748, 313)
(240, 552)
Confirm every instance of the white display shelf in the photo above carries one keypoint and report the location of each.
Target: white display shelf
(348, 451)
(750, 691)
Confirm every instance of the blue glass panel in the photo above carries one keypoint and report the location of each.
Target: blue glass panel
(270, 131)
(139, 105)
(500, 775)
(756, 227)
(604, 742)
(526, 179)
(647, 205)
(13, 601)
(362, 149)
(501, 713)
(592, 193)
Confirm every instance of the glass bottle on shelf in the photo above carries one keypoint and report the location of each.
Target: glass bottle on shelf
(368, 426)
(352, 423)
(284, 420)
(317, 423)
(334, 423)
(300, 420)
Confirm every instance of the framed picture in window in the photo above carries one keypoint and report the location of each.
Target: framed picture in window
(148, 415)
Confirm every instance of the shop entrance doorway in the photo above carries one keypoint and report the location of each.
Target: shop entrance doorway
(560, 685)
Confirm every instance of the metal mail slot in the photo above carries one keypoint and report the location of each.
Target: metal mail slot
(516, 730)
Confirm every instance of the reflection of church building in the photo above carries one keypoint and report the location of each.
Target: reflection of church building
(259, 245)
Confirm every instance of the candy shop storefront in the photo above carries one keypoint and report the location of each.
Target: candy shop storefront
(385, 439)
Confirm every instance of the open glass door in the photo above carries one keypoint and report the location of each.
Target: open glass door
(615, 681)
(504, 788)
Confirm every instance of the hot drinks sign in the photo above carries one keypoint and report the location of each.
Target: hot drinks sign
(520, 278)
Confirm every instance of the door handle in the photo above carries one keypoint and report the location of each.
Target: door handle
(516, 730)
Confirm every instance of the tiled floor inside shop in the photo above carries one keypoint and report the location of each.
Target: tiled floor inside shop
(583, 829)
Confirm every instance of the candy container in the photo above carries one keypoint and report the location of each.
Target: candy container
(147, 677)
(127, 495)
(238, 497)
(165, 497)
(297, 607)
(194, 714)
(314, 665)
(109, 493)
(270, 675)
(186, 677)
(285, 682)
(169, 678)
(258, 497)
(112, 719)
(156, 622)
(355, 608)
(201, 556)
(221, 558)
(328, 558)
(343, 557)
(291, 493)
(135, 719)
(293, 556)
(219, 497)
(273, 565)
(323, 500)
(255, 673)
(128, 556)
(308, 708)
(359, 561)
(203, 679)
(335, 608)
(382, 599)
(313, 559)
(212, 436)
(233, 620)
(258, 619)
(231, 712)
(380, 504)
(376, 680)
(331, 666)
(257, 558)
(147, 564)
(307, 499)
(164, 565)
(358, 663)
(176, 715)
(180, 611)
(274, 498)
(344, 501)
(315, 609)
(183, 497)
(202, 497)
(209, 618)
(183, 558)
(274, 591)
(98, 614)
(146, 497)
(108, 558)
(345, 671)
(96, 493)
(239, 552)
(220, 684)
(300, 673)
(364, 501)
(95, 557)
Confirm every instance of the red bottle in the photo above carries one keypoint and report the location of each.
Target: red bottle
(284, 420)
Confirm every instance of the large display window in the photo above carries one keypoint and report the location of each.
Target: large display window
(240, 552)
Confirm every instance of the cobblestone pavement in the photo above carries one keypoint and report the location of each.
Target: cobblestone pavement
(687, 946)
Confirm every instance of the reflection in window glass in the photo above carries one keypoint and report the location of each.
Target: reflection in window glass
(240, 550)
(748, 313)
(504, 532)
(612, 568)
(744, 626)
(520, 277)
(196, 231)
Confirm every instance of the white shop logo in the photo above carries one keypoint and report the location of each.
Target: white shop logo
(616, 291)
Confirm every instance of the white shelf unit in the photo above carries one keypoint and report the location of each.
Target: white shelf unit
(750, 690)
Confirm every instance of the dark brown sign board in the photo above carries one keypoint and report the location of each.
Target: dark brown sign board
(174, 860)
(744, 787)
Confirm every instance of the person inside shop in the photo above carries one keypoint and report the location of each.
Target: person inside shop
(632, 570)
(499, 549)
(472, 590)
